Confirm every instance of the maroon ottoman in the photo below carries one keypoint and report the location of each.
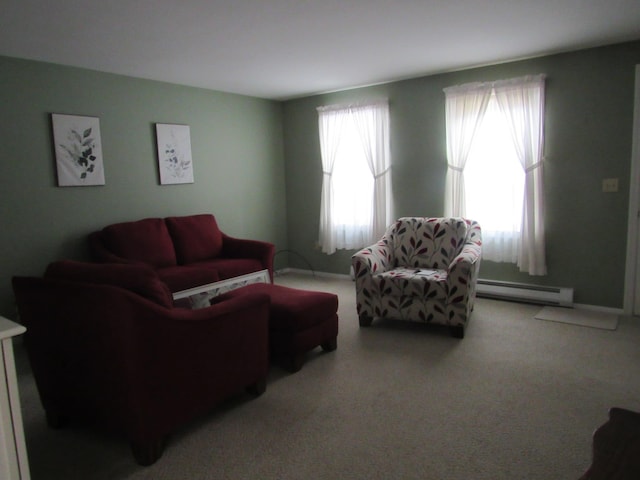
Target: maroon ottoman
(299, 321)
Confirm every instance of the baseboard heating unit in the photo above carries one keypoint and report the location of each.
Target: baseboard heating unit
(520, 292)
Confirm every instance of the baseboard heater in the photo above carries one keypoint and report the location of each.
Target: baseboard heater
(520, 292)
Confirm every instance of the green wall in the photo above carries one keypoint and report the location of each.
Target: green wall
(236, 146)
(244, 148)
(589, 116)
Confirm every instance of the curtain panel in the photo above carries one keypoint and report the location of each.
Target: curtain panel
(521, 101)
(372, 125)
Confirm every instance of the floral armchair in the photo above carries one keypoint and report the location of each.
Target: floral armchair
(423, 270)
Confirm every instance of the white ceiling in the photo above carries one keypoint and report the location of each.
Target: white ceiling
(281, 49)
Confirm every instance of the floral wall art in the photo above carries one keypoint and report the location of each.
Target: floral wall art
(174, 154)
(78, 150)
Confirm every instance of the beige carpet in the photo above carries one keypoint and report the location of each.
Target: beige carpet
(579, 317)
(517, 398)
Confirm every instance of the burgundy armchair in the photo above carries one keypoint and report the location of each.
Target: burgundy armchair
(108, 348)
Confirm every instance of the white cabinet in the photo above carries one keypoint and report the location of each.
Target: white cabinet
(13, 452)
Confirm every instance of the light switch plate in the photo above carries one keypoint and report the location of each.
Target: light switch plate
(610, 185)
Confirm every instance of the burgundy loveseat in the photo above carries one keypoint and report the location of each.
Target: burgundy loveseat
(107, 348)
(185, 251)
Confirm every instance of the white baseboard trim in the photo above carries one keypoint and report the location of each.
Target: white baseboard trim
(342, 276)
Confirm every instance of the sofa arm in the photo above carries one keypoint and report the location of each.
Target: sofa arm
(99, 253)
(245, 248)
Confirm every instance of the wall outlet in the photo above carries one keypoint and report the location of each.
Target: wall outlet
(610, 185)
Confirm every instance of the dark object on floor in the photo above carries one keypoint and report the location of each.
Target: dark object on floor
(616, 448)
(108, 349)
(299, 321)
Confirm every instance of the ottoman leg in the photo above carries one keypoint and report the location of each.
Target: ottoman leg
(330, 345)
(296, 362)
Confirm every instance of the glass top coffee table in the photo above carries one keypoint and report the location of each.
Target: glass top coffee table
(201, 295)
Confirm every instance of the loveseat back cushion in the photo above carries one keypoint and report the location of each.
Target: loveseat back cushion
(195, 237)
(427, 242)
(147, 241)
(139, 279)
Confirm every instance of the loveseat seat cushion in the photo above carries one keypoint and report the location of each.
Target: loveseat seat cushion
(231, 267)
(195, 237)
(147, 241)
(427, 242)
(182, 277)
(139, 279)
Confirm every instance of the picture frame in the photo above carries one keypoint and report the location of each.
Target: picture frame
(78, 149)
(174, 154)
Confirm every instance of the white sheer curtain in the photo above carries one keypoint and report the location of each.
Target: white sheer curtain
(330, 122)
(522, 103)
(356, 204)
(494, 186)
(372, 123)
(521, 109)
(464, 109)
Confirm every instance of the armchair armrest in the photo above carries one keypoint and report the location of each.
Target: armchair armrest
(466, 264)
(211, 353)
(463, 275)
(246, 248)
(373, 259)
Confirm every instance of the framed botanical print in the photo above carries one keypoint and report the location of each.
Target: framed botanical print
(78, 149)
(174, 153)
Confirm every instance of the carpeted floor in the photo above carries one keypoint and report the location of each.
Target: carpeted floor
(518, 398)
(579, 317)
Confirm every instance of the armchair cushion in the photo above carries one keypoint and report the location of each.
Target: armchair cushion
(146, 241)
(195, 237)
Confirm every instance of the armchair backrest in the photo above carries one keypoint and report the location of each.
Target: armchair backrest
(137, 278)
(426, 242)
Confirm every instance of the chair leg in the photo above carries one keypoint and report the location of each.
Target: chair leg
(258, 388)
(147, 453)
(457, 331)
(365, 321)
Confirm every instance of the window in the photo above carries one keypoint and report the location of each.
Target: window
(352, 187)
(494, 186)
(494, 151)
(356, 200)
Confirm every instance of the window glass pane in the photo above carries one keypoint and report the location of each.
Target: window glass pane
(494, 178)
(352, 181)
